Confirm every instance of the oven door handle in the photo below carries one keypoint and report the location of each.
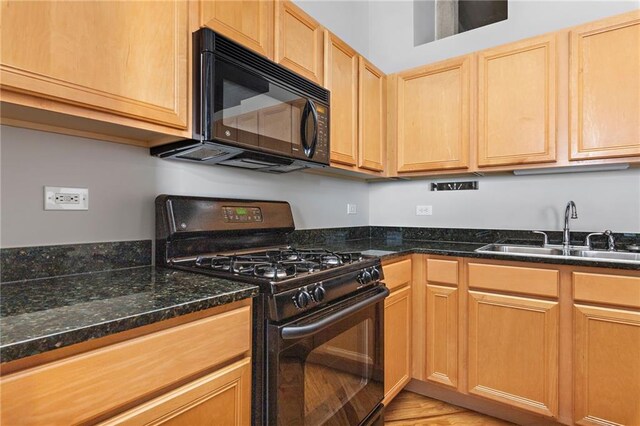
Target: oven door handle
(296, 332)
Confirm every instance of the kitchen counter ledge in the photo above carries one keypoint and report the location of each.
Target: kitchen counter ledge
(388, 249)
(43, 314)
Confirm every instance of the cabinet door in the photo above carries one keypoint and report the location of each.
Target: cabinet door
(249, 22)
(299, 44)
(372, 117)
(221, 398)
(517, 103)
(513, 351)
(605, 88)
(433, 117)
(607, 366)
(342, 80)
(397, 342)
(442, 335)
(125, 58)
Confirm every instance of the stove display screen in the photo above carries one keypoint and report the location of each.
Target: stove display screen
(242, 214)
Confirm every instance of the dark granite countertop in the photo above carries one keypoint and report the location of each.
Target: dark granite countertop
(39, 315)
(387, 249)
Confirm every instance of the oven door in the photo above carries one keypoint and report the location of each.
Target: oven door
(328, 368)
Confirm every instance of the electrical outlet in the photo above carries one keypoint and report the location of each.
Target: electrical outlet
(352, 209)
(62, 198)
(424, 210)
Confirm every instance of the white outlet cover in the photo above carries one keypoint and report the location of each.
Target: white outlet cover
(65, 198)
(424, 210)
(352, 209)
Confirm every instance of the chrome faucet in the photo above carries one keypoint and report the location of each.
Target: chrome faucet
(566, 235)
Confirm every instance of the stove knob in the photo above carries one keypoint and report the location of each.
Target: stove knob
(375, 274)
(366, 277)
(318, 293)
(302, 299)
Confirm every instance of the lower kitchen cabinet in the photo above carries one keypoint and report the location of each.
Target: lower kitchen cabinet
(513, 351)
(442, 322)
(397, 328)
(607, 349)
(189, 365)
(220, 398)
(513, 340)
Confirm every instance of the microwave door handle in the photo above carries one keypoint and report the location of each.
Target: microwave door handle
(299, 331)
(314, 115)
(309, 110)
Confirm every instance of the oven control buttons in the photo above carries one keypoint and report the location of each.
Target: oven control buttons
(318, 293)
(302, 299)
(375, 274)
(364, 277)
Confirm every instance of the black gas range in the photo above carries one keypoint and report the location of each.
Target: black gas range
(318, 321)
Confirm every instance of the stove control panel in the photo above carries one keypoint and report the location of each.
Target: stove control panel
(323, 291)
(241, 214)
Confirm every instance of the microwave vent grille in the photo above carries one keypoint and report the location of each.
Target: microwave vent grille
(263, 65)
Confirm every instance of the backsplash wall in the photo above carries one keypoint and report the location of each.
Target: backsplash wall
(123, 182)
(604, 200)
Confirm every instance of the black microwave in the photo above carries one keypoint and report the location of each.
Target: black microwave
(251, 112)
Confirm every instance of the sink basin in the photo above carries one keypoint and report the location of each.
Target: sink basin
(608, 255)
(556, 251)
(528, 250)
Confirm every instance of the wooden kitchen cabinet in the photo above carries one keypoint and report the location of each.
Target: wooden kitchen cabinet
(341, 78)
(605, 88)
(248, 22)
(441, 332)
(372, 117)
(397, 328)
(299, 42)
(517, 99)
(433, 117)
(220, 398)
(512, 339)
(64, 64)
(187, 367)
(607, 349)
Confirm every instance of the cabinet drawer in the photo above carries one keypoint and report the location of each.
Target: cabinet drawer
(513, 279)
(611, 289)
(81, 387)
(397, 274)
(221, 398)
(442, 271)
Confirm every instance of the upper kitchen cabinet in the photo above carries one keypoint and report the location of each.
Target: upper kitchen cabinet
(341, 78)
(433, 117)
(517, 103)
(605, 88)
(249, 22)
(66, 64)
(372, 117)
(299, 41)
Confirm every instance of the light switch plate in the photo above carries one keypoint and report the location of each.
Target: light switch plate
(352, 209)
(65, 198)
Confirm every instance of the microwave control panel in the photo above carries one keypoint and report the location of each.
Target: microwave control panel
(323, 130)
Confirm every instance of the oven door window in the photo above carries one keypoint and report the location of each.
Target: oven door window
(334, 377)
(250, 110)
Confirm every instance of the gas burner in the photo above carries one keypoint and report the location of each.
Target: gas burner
(274, 271)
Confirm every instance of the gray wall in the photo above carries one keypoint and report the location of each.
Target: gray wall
(349, 19)
(123, 182)
(605, 200)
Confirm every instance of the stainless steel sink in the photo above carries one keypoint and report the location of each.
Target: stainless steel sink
(556, 251)
(525, 250)
(608, 255)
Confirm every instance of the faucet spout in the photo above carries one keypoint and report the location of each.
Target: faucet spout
(566, 234)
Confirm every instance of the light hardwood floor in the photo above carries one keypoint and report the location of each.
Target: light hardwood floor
(411, 409)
